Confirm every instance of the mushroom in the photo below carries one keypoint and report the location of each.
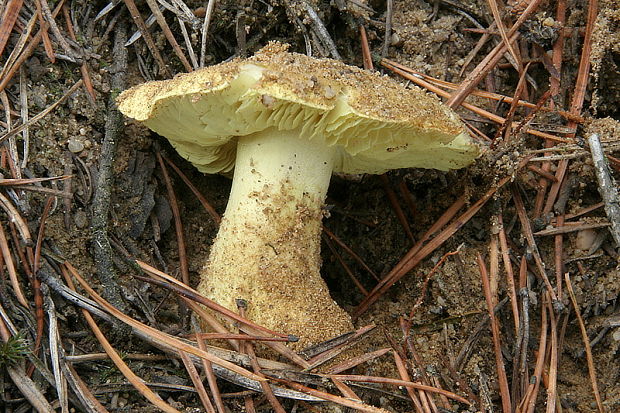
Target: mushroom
(284, 122)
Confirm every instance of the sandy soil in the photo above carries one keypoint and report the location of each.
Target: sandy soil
(68, 141)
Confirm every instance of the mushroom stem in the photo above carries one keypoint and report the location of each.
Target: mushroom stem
(268, 248)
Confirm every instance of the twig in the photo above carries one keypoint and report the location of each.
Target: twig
(565, 229)
(606, 186)
(101, 202)
(45, 8)
(48, 277)
(389, 13)
(321, 31)
(23, 98)
(29, 389)
(45, 37)
(205, 30)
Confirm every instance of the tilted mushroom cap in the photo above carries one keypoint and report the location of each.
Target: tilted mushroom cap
(375, 123)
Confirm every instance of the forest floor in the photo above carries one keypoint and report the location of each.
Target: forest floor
(524, 230)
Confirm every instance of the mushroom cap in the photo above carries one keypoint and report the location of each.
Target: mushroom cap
(375, 123)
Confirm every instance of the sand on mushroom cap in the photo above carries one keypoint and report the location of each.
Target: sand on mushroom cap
(284, 122)
(376, 123)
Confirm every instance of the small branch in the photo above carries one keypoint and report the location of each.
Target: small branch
(205, 30)
(101, 202)
(321, 31)
(606, 186)
(388, 28)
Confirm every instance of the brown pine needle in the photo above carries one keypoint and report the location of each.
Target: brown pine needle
(139, 21)
(193, 294)
(43, 113)
(9, 18)
(166, 29)
(231, 336)
(27, 181)
(10, 266)
(353, 404)
(586, 344)
(192, 187)
(211, 379)
(16, 219)
(419, 252)
(404, 375)
(136, 381)
(526, 228)
(349, 251)
(22, 52)
(356, 361)
(499, 359)
(489, 62)
(200, 388)
(178, 224)
(88, 84)
(45, 37)
(158, 335)
(484, 113)
(404, 383)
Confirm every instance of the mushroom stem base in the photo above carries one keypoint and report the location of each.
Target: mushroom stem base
(267, 251)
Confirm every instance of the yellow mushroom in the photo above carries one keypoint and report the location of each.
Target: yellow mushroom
(284, 122)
